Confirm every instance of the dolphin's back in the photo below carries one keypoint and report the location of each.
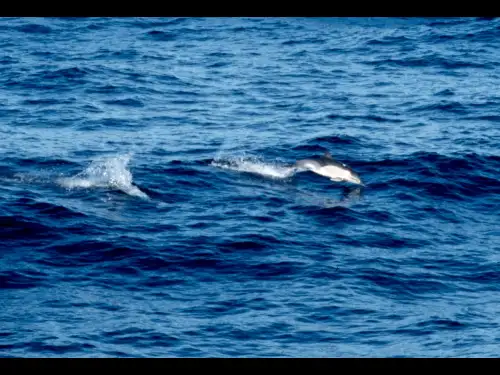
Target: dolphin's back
(322, 161)
(308, 164)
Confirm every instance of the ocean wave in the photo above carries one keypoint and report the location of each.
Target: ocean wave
(429, 61)
(51, 210)
(444, 106)
(108, 89)
(86, 252)
(161, 35)
(490, 34)
(303, 41)
(129, 102)
(74, 72)
(404, 285)
(492, 118)
(445, 92)
(249, 242)
(375, 118)
(34, 28)
(151, 23)
(16, 228)
(21, 279)
(392, 241)
(390, 40)
(7, 60)
(449, 22)
(473, 162)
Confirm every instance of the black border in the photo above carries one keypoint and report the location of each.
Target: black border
(204, 9)
(246, 9)
(303, 365)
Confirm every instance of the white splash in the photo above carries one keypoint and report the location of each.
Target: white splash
(109, 172)
(254, 165)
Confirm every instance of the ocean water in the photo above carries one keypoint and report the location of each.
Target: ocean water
(148, 206)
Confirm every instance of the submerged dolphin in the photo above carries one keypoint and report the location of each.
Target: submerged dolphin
(327, 166)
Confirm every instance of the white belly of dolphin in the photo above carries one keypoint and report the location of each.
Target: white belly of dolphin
(333, 172)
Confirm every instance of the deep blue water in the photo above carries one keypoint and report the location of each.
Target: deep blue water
(148, 206)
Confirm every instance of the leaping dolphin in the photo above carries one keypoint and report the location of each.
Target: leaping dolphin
(327, 166)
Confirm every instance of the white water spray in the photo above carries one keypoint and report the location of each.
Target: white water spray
(249, 164)
(109, 172)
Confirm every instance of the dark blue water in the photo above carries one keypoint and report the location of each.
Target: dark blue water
(148, 206)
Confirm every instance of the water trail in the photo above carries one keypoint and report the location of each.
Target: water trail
(252, 164)
(109, 172)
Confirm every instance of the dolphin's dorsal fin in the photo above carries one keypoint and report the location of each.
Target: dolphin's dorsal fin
(327, 155)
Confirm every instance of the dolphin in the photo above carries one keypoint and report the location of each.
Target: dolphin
(327, 166)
